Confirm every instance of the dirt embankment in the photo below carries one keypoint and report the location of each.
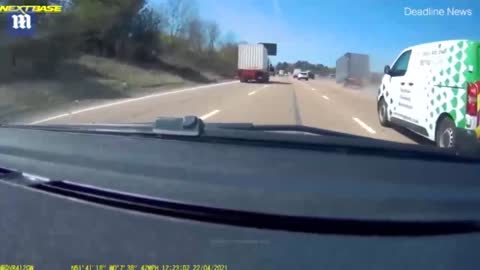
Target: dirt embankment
(90, 79)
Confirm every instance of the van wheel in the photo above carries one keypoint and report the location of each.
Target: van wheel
(446, 135)
(382, 111)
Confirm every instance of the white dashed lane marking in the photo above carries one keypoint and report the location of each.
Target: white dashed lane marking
(325, 97)
(256, 91)
(363, 125)
(210, 114)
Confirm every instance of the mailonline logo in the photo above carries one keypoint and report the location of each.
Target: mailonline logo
(22, 21)
(21, 24)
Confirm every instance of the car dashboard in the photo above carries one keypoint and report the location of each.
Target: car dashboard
(52, 230)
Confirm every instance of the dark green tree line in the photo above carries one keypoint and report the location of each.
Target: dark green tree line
(129, 30)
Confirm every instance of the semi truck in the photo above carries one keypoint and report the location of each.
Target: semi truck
(253, 63)
(353, 69)
(296, 72)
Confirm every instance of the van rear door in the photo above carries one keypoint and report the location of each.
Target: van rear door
(478, 84)
(473, 87)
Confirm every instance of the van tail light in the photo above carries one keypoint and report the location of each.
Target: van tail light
(472, 96)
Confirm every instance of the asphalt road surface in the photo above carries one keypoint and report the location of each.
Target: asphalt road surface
(318, 103)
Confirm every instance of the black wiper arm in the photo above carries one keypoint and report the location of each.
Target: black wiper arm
(185, 126)
(194, 126)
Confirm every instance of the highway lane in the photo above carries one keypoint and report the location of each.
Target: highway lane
(357, 105)
(319, 103)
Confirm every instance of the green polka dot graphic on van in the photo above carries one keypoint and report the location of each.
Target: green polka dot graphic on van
(449, 82)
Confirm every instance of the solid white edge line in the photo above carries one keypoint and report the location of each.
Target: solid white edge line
(50, 118)
(363, 125)
(210, 114)
(325, 97)
(131, 100)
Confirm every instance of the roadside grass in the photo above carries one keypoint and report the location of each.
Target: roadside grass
(125, 76)
(84, 79)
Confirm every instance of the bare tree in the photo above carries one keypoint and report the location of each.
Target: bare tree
(196, 34)
(179, 14)
(213, 33)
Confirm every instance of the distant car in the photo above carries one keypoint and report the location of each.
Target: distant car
(302, 76)
(311, 75)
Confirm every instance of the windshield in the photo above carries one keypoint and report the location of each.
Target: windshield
(402, 73)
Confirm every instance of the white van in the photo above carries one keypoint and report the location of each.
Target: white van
(433, 90)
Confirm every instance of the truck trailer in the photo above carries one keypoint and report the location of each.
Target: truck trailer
(296, 72)
(353, 69)
(253, 63)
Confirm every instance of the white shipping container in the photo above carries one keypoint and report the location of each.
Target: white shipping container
(252, 57)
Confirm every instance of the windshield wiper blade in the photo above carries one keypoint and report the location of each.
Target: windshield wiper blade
(185, 126)
(193, 128)
(284, 128)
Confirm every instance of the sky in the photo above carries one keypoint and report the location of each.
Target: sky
(321, 31)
